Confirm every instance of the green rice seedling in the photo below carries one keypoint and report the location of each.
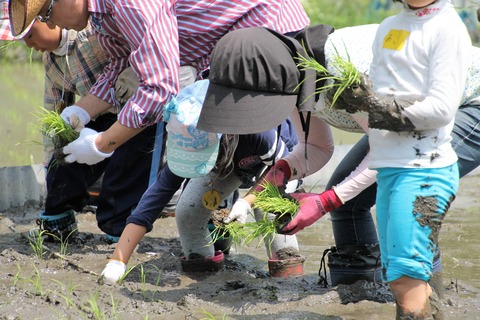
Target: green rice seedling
(36, 281)
(270, 200)
(236, 231)
(36, 243)
(51, 124)
(261, 230)
(113, 310)
(127, 272)
(94, 308)
(63, 242)
(96, 312)
(70, 288)
(17, 276)
(143, 281)
(211, 316)
(68, 301)
(346, 74)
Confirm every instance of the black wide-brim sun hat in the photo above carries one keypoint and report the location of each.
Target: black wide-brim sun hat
(254, 82)
(238, 111)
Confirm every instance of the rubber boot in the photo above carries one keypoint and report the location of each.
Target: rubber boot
(348, 264)
(198, 263)
(60, 227)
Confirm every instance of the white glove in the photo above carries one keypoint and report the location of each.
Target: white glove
(84, 150)
(240, 211)
(76, 117)
(113, 271)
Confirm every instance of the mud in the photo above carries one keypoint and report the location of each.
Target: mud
(59, 286)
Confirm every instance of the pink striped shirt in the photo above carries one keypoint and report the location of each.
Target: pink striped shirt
(155, 37)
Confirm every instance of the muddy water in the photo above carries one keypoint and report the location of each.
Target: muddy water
(242, 291)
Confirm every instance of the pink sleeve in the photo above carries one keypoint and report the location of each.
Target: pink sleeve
(360, 179)
(319, 147)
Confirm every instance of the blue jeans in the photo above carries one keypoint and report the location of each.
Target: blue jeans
(352, 223)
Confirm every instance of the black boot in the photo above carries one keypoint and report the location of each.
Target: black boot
(58, 228)
(348, 264)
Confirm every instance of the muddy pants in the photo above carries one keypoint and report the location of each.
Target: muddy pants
(192, 216)
(411, 205)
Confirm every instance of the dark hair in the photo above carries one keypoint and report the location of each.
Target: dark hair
(225, 165)
(397, 0)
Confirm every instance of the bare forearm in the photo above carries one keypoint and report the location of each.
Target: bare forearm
(93, 105)
(115, 136)
(131, 237)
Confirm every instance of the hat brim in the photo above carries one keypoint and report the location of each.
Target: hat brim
(23, 14)
(237, 111)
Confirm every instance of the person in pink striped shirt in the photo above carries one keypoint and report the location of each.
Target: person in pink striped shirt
(155, 38)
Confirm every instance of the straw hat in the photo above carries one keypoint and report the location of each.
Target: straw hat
(22, 13)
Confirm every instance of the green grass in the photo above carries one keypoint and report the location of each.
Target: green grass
(343, 13)
(21, 90)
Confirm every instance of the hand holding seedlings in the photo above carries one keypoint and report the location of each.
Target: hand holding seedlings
(358, 96)
(312, 207)
(51, 124)
(282, 206)
(239, 212)
(277, 211)
(76, 117)
(345, 75)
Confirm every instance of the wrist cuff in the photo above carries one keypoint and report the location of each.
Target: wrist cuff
(117, 262)
(330, 200)
(81, 113)
(98, 152)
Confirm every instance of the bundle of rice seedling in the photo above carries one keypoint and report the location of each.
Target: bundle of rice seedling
(345, 75)
(276, 209)
(51, 124)
(270, 200)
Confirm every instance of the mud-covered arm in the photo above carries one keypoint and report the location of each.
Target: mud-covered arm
(383, 112)
(387, 113)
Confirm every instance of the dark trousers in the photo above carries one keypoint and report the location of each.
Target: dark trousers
(352, 223)
(124, 182)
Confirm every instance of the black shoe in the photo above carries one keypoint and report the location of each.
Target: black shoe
(58, 228)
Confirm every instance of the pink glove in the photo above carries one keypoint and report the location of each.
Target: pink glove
(313, 206)
(277, 175)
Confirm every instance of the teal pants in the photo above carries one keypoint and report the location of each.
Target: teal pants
(411, 205)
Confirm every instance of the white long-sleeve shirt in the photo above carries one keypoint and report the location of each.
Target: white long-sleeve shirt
(423, 55)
